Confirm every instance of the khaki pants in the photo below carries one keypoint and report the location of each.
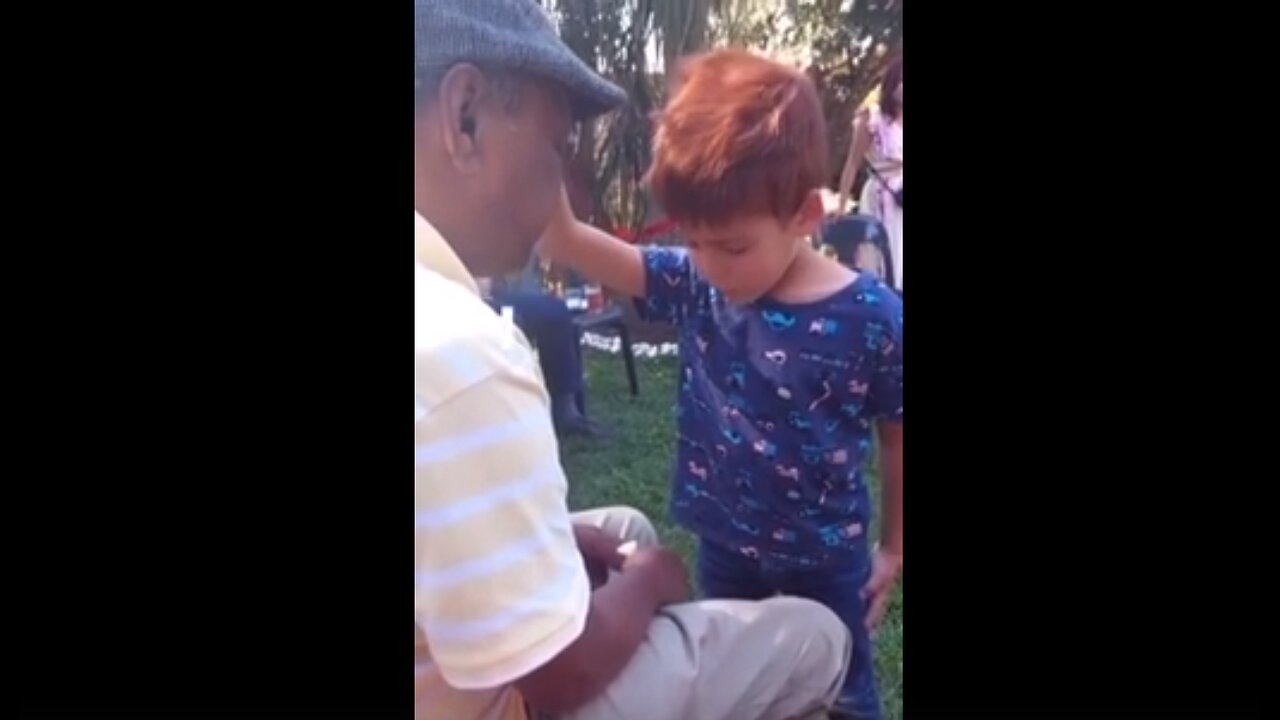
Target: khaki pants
(779, 658)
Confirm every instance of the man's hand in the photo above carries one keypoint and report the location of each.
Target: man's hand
(599, 551)
(885, 566)
(663, 572)
(617, 622)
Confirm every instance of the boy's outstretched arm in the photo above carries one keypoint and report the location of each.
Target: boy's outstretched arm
(598, 255)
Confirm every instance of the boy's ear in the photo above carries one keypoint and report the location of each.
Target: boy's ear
(809, 216)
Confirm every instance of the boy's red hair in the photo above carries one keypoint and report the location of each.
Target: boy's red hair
(741, 135)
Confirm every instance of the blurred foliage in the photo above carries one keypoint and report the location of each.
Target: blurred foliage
(844, 45)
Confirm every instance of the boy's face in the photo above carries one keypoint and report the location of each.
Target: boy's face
(746, 258)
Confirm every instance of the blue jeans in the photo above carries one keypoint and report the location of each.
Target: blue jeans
(725, 573)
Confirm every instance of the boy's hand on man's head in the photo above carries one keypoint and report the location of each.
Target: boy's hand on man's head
(591, 253)
(885, 567)
(559, 228)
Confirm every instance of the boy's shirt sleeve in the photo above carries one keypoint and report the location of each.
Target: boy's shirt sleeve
(884, 336)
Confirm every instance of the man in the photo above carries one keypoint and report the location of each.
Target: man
(518, 607)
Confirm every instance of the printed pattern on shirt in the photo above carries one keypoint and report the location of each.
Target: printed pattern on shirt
(776, 409)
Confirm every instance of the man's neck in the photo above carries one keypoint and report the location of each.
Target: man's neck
(440, 210)
(436, 212)
(434, 252)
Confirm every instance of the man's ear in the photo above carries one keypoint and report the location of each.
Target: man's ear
(458, 103)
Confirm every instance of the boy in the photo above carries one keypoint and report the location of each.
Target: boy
(787, 359)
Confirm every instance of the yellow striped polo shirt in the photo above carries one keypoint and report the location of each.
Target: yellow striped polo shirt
(499, 586)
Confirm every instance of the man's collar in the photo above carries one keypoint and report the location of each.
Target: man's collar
(435, 254)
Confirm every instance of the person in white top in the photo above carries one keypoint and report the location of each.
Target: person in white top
(877, 142)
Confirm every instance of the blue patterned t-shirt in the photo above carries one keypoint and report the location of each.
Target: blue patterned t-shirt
(775, 413)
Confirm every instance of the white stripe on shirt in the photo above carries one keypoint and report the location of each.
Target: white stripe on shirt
(462, 509)
(489, 564)
(548, 598)
(447, 448)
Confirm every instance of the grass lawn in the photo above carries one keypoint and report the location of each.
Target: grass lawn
(632, 467)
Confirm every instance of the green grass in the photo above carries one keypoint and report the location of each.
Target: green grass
(632, 467)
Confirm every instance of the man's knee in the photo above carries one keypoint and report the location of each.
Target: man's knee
(630, 524)
(623, 522)
(815, 635)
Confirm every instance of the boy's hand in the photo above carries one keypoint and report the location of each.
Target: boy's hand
(559, 228)
(885, 566)
(590, 252)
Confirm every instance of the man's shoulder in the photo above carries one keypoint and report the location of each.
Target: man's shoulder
(459, 341)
